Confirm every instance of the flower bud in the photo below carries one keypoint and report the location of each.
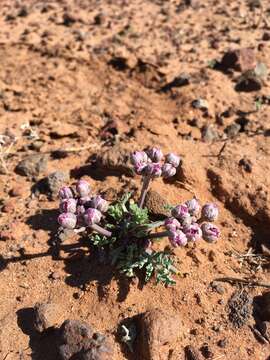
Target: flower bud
(193, 206)
(97, 202)
(193, 232)
(68, 206)
(66, 192)
(139, 168)
(67, 220)
(80, 210)
(180, 212)
(172, 224)
(210, 212)
(187, 221)
(168, 170)
(83, 188)
(138, 157)
(173, 159)
(210, 232)
(155, 154)
(178, 238)
(92, 216)
(152, 170)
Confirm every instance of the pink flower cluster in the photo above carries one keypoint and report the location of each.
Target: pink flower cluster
(78, 208)
(190, 223)
(150, 163)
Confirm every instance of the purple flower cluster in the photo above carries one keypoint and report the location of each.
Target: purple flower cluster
(190, 223)
(78, 208)
(150, 163)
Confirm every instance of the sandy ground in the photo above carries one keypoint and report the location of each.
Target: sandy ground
(68, 68)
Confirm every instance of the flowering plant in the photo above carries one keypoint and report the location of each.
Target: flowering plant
(125, 229)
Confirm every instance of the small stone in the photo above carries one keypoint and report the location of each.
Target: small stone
(78, 340)
(55, 275)
(9, 206)
(212, 255)
(195, 4)
(246, 164)
(243, 59)
(217, 287)
(191, 353)
(246, 59)
(17, 191)
(157, 205)
(201, 104)
(6, 235)
(261, 70)
(158, 328)
(248, 82)
(68, 19)
(206, 351)
(46, 315)
(266, 36)
(222, 343)
(209, 133)
(54, 181)
(33, 165)
(36, 145)
(99, 19)
(23, 12)
(233, 129)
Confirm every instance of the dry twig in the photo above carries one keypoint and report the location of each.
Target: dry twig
(244, 281)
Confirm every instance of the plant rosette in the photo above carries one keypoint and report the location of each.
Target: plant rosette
(124, 228)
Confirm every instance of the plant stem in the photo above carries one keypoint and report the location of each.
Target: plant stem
(81, 229)
(146, 182)
(101, 230)
(145, 227)
(158, 235)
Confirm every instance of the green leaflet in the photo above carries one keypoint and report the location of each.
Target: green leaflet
(126, 251)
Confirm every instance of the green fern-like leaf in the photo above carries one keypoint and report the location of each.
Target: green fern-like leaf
(139, 216)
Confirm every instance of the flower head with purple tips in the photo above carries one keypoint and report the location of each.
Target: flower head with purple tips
(210, 232)
(125, 229)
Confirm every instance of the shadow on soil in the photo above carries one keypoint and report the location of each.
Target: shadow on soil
(90, 269)
(83, 264)
(99, 173)
(43, 346)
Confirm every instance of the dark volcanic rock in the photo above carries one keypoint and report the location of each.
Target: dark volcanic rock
(78, 341)
(240, 309)
(248, 82)
(33, 165)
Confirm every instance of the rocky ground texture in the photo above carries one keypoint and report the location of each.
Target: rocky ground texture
(82, 84)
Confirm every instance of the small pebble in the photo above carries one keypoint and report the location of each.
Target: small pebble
(222, 343)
